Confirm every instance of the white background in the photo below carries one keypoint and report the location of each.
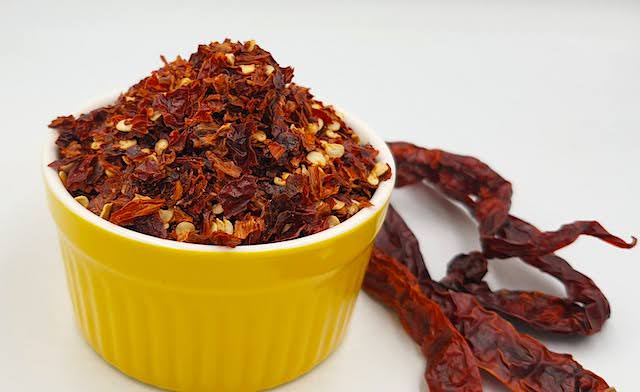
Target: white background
(547, 92)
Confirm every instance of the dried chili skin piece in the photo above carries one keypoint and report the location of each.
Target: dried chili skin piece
(235, 195)
(135, 208)
(451, 365)
(488, 197)
(80, 173)
(518, 361)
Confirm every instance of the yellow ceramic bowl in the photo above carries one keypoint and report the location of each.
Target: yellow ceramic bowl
(193, 317)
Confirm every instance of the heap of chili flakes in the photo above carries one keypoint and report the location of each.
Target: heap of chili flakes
(220, 149)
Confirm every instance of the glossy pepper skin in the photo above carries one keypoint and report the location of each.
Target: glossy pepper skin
(517, 360)
(487, 196)
(451, 365)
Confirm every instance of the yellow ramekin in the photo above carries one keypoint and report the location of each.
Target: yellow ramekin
(193, 317)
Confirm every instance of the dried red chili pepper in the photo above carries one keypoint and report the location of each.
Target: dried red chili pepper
(222, 137)
(451, 365)
(488, 197)
(583, 313)
(517, 360)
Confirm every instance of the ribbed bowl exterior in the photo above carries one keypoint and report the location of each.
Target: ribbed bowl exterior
(194, 340)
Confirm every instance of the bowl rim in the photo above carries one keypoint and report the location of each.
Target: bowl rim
(378, 200)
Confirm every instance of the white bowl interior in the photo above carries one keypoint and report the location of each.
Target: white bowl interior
(379, 197)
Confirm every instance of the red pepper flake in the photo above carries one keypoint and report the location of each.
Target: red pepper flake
(136, 208)
(227, 129)
(276, 150)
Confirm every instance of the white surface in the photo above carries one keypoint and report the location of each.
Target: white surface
(547, 92)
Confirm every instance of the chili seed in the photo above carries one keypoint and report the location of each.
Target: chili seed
(184, 82)
(83, 200)
(380, 168)
(125, 144)
(96, 145)
(353, 208)
(334, 126)
(332, 134)
(155, 116)
(106, 210)
(160, 146)
(166, 215)
(217, 209)
(316, 158)
(228, 226)
(373, 179)
(334, 150)
(338, 205)
(315, 127)
(122, 126)
(183, 229)
(63, 177)
(259, 136)
(247, 68)
(268, 69)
